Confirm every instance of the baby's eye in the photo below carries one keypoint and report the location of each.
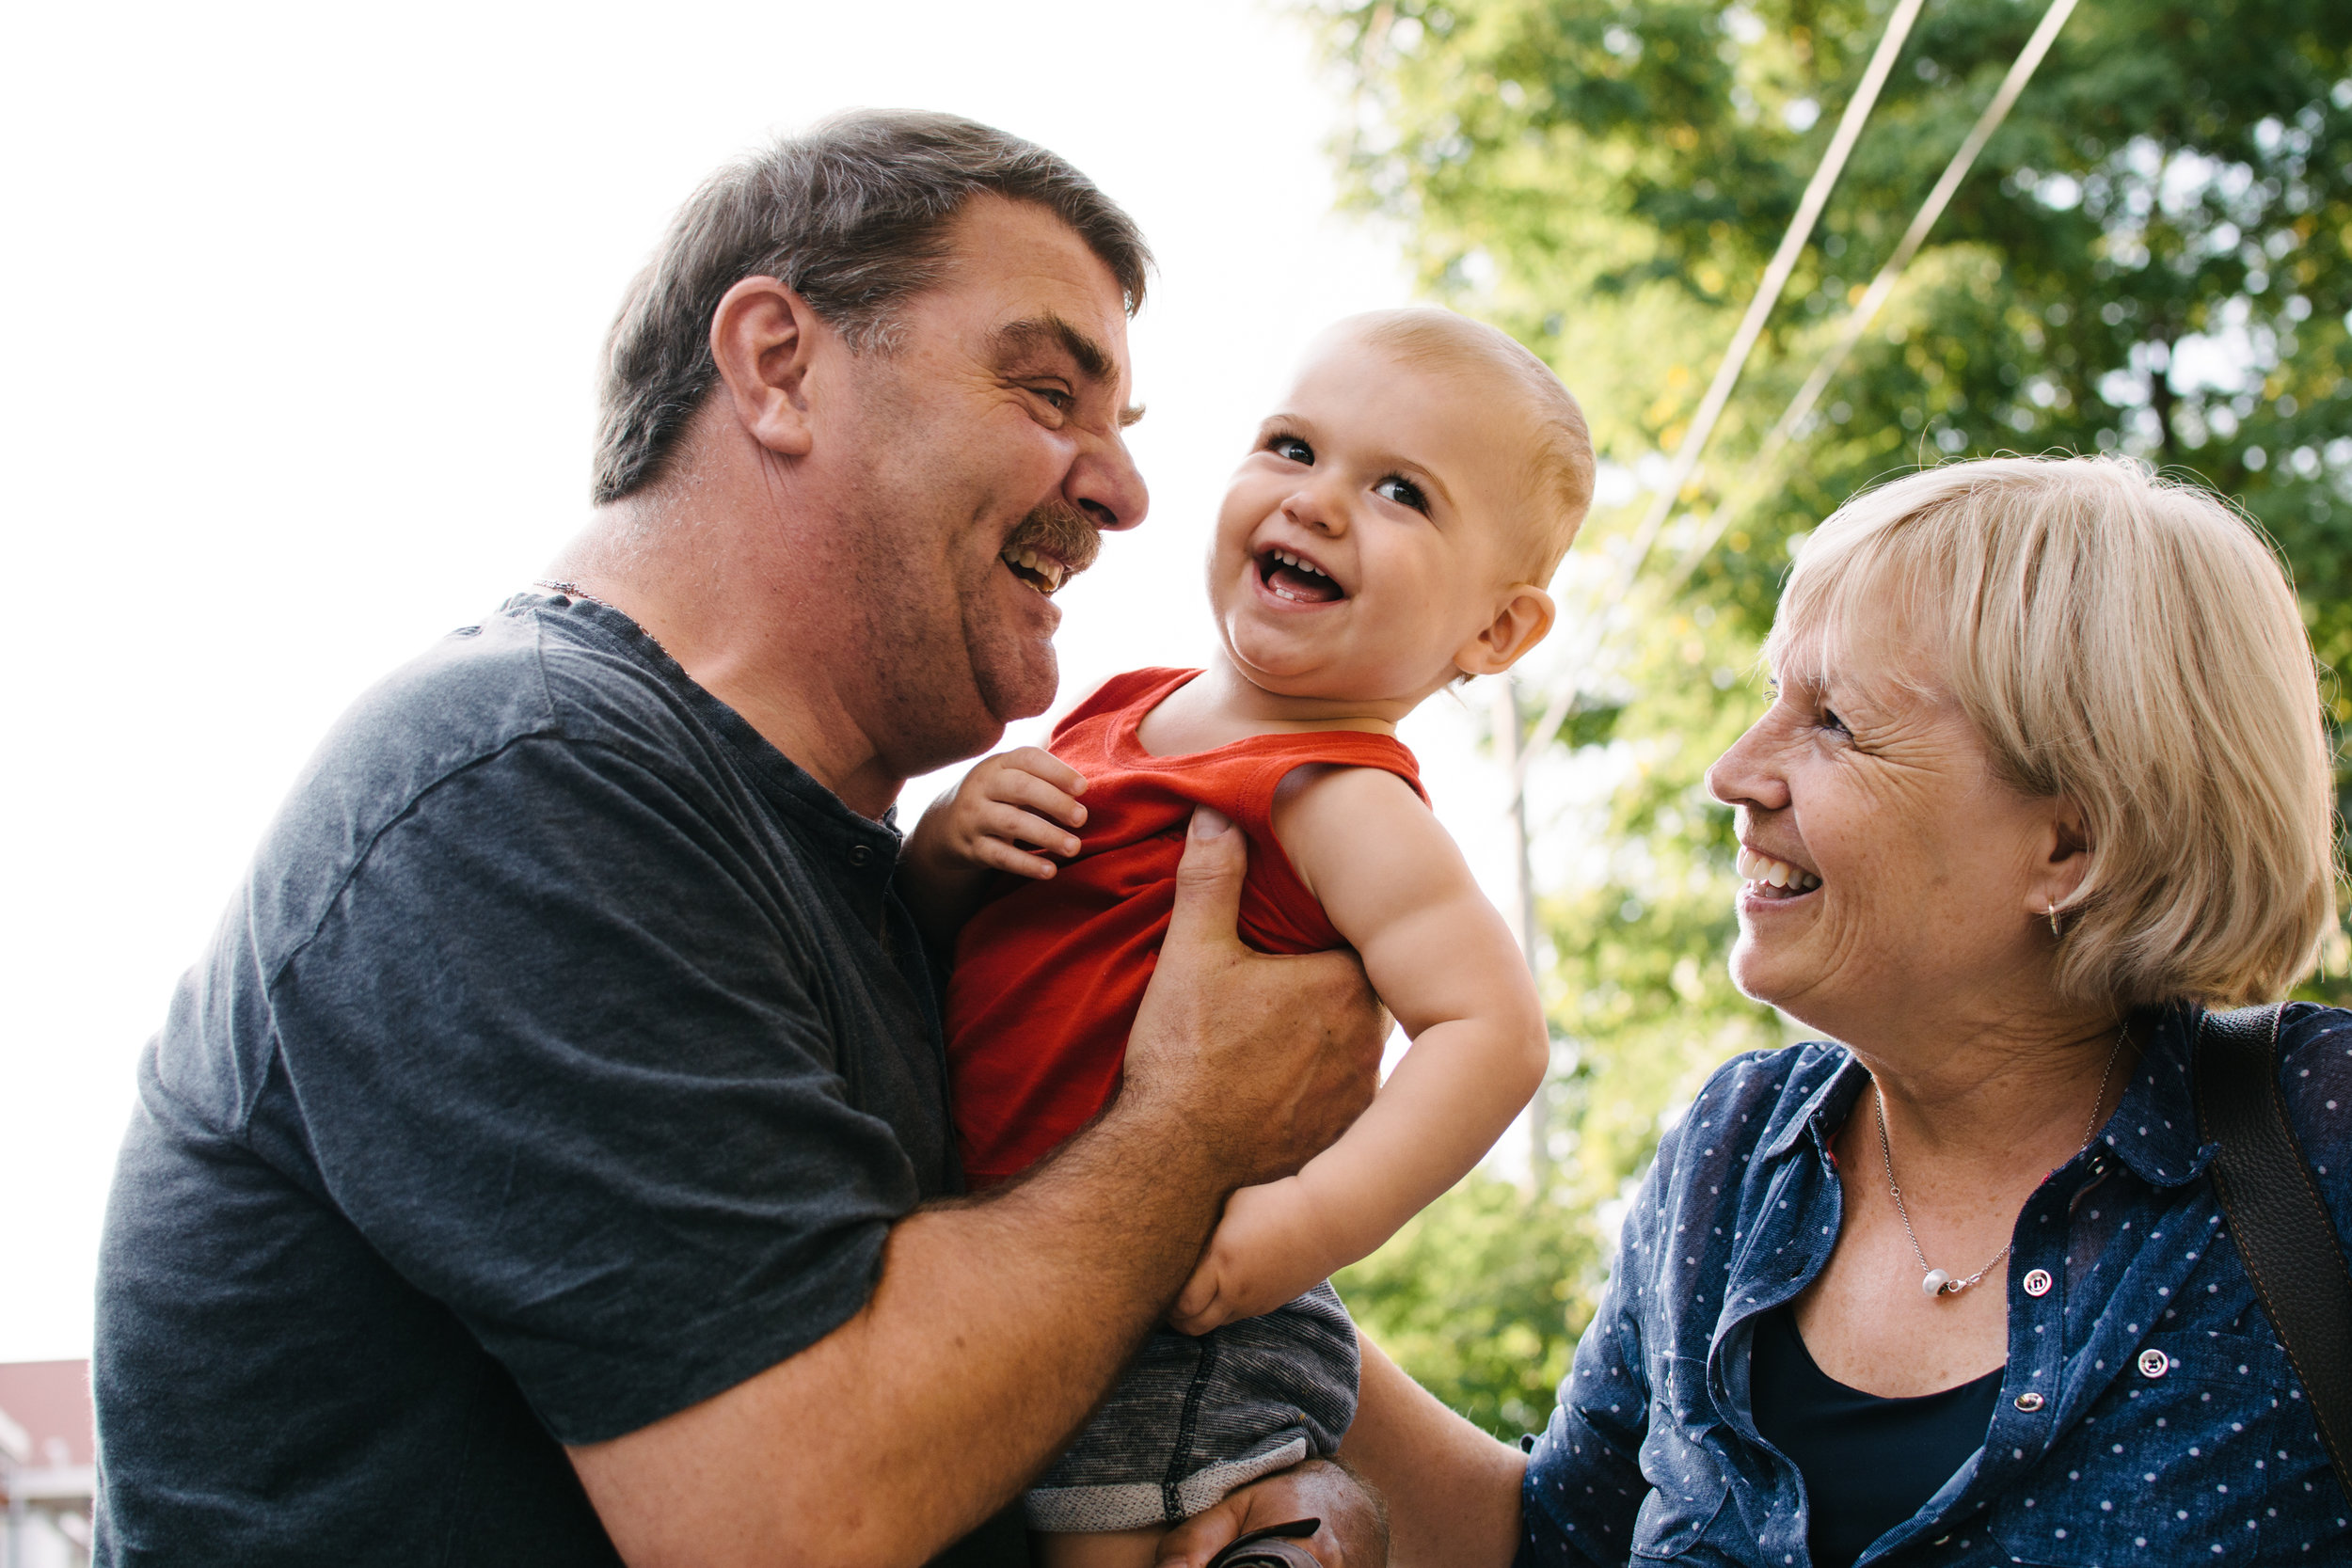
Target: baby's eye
(1403, 491)
(1292, 448)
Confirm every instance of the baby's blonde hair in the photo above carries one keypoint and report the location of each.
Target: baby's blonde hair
(2130, 644)
(1560, 473)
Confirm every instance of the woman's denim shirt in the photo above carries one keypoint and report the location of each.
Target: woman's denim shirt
(2147, 1414)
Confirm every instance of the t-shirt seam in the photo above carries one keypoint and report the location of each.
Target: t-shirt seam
(328, 905)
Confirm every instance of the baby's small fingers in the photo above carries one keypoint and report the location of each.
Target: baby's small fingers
(1014, 787)
(997, 855)
(1046, 766)
(1015, 826)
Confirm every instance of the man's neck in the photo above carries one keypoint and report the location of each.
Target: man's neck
(736, 628)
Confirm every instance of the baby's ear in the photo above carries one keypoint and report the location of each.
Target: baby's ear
(1524, 620)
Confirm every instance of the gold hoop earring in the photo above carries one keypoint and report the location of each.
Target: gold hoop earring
(2051, 909)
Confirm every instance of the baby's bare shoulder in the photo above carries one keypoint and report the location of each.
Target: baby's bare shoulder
(1341, 825)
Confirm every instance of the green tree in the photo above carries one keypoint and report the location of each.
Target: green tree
(2148, 258)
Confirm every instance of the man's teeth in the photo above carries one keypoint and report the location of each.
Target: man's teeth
(1763, 869)
(1052, 571)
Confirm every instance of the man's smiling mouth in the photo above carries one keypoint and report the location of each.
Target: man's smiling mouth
(1295, 578)
(1041, 572)
(1053, 543)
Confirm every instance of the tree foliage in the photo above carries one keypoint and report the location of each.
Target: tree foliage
(2149, 258)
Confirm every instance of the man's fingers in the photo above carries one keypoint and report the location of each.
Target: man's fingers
(1208, 883)
(1192, 1302)
(1352, 1529)
(1199, 1538)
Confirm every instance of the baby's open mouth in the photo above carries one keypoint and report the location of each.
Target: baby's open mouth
(1041, 572)
(1295, 578)
(1770, 878)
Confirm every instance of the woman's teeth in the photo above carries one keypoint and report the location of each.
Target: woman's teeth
(1045, 569)
(1763, 869)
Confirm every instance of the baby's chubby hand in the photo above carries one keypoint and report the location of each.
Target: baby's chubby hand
(1266, 1251)
(1010, 814)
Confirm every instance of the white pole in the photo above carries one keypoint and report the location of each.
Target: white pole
(1519, 913)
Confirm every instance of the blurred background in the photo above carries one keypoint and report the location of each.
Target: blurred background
(303, 307)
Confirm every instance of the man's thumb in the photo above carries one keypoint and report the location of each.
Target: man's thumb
(1208, 881)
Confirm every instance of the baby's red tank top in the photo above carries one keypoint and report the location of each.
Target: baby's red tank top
(1048, 977)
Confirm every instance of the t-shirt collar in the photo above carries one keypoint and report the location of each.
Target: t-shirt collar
(788, 784)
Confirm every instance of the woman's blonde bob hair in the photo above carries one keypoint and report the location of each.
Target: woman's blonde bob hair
(2130, 644)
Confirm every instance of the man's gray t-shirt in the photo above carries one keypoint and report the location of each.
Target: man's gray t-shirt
(562, 1062)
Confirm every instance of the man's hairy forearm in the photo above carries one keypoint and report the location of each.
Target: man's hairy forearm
(997, 1325)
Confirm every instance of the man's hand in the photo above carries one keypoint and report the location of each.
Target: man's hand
(1251, 1063)
(998, 1323)
(1266, 1250)
(1355, 1532)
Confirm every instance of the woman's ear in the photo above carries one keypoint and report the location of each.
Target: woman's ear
(762, 338)
(2066, 857)
(1524, 620)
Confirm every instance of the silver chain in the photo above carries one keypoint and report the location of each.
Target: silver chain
(1935, 1281)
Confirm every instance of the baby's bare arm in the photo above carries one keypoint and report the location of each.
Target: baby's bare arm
(1395, 884)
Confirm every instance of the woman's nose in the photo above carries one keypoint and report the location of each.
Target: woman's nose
(1746, 774)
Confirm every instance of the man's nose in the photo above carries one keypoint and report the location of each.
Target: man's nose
(1105, 485)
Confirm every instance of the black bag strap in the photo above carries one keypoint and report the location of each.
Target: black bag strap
(2276, 1216)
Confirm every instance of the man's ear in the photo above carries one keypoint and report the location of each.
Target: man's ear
(1524, 620)
(762, 336)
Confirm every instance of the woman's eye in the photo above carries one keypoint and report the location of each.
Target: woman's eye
(1401, 491)
(1831, 721)
(1292, 448)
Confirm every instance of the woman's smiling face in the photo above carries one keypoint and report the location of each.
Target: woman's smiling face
(1890, 873)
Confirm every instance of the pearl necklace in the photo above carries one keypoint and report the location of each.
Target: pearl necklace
(1935, 1282)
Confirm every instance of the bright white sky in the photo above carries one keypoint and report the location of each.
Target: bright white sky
(302, 305)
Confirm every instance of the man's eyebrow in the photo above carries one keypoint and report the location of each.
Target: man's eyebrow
(1093, 360)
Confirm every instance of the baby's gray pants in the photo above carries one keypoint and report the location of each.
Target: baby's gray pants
(1196, 1418)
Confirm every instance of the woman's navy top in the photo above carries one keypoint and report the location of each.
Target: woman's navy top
(1868, 1462)
(2146, 1413)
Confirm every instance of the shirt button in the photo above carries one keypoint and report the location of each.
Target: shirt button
(860, 854)
(2154, 1363)
(2029, 1402)
(2037, 1282)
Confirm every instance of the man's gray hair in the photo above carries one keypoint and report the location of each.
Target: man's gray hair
(853, 217)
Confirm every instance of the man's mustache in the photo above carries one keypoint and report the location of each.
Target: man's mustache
(1061, 531)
